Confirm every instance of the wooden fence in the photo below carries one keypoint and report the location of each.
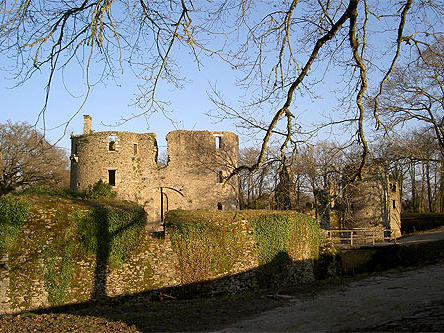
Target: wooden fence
(361, 236)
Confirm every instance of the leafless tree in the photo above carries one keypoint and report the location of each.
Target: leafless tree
(257, 185)
(414, 160)
(282, 48)
(415, 92)
(298, 42)
(27, 159)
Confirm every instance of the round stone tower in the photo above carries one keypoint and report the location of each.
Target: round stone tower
(374, 201)
(199, 162)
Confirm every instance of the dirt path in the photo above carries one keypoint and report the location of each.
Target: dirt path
(411, 300)
(425, 236)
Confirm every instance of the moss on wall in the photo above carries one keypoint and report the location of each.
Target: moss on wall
(13, 212)
(283, 240)
(63, 243)
(211, 243)
(61, 240)
(205, 250)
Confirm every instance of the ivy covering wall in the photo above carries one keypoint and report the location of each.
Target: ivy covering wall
(274, 244)
(74, 250)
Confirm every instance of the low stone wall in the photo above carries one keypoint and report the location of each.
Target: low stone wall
(335, 262)
(151, 268)
(155, 267)
(4, 284)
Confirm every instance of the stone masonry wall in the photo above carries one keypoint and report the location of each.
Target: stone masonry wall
(4, 284)
(395, 208)
(193, 179)
(151, 267)
(91, 160)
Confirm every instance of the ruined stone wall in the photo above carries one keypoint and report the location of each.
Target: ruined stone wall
(194, 178)
(4, 284)
(199, 168)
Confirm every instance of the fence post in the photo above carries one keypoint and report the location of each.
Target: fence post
(373, 237)
(351, 238)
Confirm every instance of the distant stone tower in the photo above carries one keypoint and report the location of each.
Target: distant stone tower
(374, 201)
(194, 178)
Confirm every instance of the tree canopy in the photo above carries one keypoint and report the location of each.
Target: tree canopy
(416, 92)
(281, 49)
(26, 159)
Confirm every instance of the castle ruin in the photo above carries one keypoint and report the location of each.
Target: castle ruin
(194, 178)
(374, 202)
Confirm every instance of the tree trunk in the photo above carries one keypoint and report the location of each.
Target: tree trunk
(441, 185)
(429, 189)
(413, 180)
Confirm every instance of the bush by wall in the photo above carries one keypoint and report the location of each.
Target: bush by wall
(52, 191)
(100, 190)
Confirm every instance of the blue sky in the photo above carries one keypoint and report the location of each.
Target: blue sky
(107, 103)
(110, 100)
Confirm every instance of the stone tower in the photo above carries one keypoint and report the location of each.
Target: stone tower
(194, 178)
(374, 201)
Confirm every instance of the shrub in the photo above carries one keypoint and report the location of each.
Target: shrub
(100, 190)
(52, 191)
(13, 212)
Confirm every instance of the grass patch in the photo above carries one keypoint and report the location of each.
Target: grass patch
(13, 212)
